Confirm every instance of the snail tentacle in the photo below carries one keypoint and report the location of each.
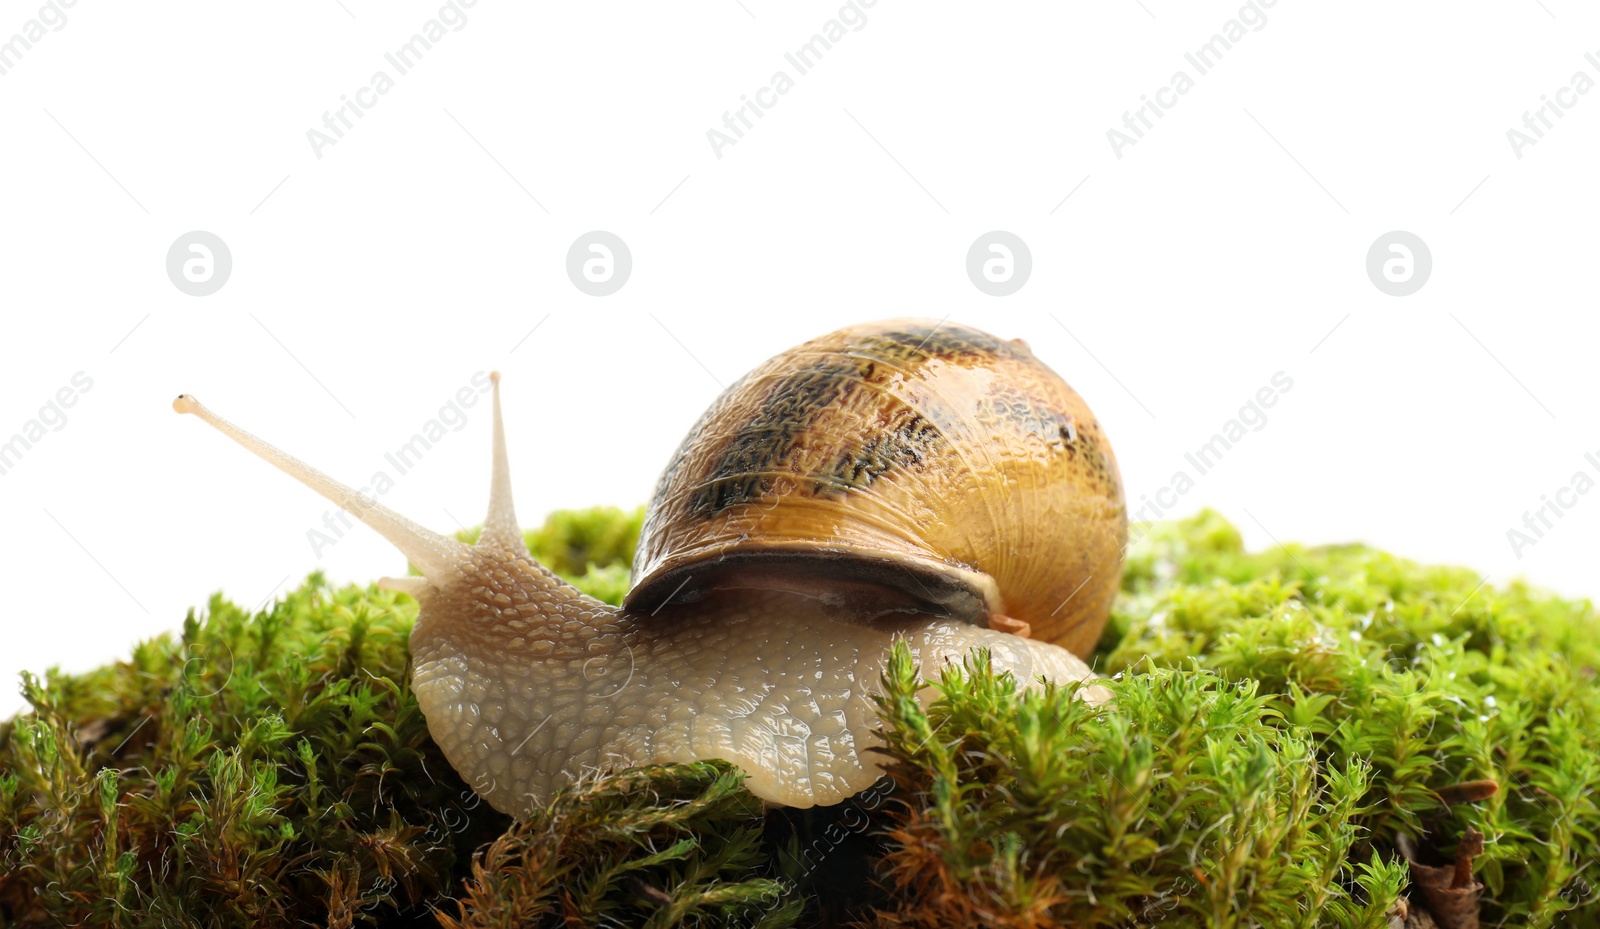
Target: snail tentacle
(435, 555)
(500, 527)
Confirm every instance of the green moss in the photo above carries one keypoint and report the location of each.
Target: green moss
(1188, 801)
(1281, 719)
(254, 770)
(691, 854)
(1426, 675)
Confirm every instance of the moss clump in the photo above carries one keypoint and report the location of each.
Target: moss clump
(596, 853)
(255, 770)
(1187, 802)
(1283, 721)
(1425, 675)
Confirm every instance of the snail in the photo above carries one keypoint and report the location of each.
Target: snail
(899, 480)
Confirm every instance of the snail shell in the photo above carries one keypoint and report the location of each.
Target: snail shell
(906, 465)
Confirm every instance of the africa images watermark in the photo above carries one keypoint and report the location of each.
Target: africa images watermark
(1537, 121)
(451, 18)
(52, 417)
(851, 18)
(1252, 417)
(51, 17)
(1537, 522)
(1203, 59)
(452, 417)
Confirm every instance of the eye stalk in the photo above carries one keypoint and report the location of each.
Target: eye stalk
(438, 557)
(500, 527)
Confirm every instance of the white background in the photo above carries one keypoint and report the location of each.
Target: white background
(371, 283)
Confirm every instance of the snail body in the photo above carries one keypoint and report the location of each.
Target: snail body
(900, 480)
